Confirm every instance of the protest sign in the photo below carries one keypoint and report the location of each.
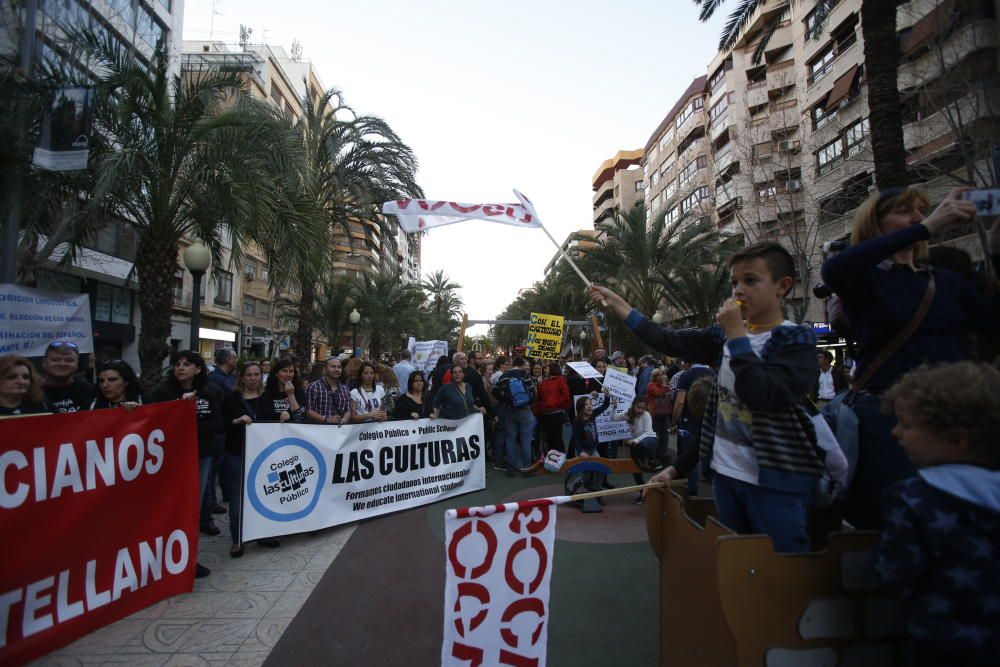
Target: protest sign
(31, 318)
(620, 384)
(418, 215)
(545, 336)
(584, 369)
(498, 571)
(987, 201)
(608, 428)
(427, 352)
(99, 511)
(303, 477)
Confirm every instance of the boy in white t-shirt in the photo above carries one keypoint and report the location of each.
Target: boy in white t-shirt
(757, 436)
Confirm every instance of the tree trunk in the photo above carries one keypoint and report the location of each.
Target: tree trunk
(304, 326)
(155, 265)
(882, 56)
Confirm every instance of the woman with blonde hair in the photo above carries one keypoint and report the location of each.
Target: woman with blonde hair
(888, 291)
(352, 370)
(20, 388)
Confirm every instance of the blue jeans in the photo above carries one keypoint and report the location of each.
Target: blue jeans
(231, 478)
(204, 474)
(208, 496)
(747, 509)
(517, 434)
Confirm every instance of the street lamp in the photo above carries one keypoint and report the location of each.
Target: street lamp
(354, 317)
(197, 259)
(658, 317)
(583, 339)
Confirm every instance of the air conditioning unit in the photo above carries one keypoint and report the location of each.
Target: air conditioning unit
(249, 273)
(794, 186)
(248, 330)
(784, 146)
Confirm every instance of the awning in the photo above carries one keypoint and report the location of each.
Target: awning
(841, 87)
(929, 26)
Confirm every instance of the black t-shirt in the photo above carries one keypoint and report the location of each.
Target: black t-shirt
(76, 396)
(26, 408)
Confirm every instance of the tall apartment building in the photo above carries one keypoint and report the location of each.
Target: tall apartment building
(789, 156)
(103, 267)
(576, 244)
(676, 165)
(618, 186)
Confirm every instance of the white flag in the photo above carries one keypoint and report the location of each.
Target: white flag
(498, 570)
(417, 215)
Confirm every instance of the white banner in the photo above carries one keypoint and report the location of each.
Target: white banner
(609, 429)
(303, 477)
(426, 354)
(621, 385)
(31, 318)
(496, 594)
(584, 369)
(417, 215)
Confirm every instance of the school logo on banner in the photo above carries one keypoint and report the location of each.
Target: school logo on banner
(285, 480)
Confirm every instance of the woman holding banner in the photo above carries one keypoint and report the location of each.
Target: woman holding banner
(242, 407)
(284, 399)
(454, 400)
(368, 397)
(20, 388)
(117, 387)
(188, 381)
(414, 404)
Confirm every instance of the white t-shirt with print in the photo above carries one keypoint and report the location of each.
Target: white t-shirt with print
(733, 454)
(368, 401)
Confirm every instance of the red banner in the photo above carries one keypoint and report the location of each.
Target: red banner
(98, 518)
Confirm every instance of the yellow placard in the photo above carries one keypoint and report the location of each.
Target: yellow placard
(545, 333)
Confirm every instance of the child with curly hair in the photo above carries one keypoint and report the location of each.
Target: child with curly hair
(940, 547)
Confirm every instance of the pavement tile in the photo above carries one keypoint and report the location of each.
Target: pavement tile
(248, 604)
(218, 636)
(247, 659)
(251, 580)
(289, 603)
(269, 629)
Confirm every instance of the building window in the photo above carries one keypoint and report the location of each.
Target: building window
(653, 178)
(854, 137)
(671, 188)
(223, 287)
(817, 17)
(691, 200)
(639, 186)
(766, 191)
(844, 38)
(828, 155)
(820, 115)
(264, 310)
(668, 164)
(696, 104)
(671, 215)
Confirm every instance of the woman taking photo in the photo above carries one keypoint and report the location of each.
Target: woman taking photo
(20, 388)
(887, 287)
(187, 382)
(117, 387)
(241, 408)
(413, 404)
(454, 400)
(284, 399)
(368, 398)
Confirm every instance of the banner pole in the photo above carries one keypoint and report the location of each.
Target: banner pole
(461, 333)
(614, 492)
(564, 255)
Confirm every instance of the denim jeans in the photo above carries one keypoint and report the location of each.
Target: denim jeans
(517, 434)
(231, 478)
(748, 508)
(208, 496)
(500, 435)
(204, 474)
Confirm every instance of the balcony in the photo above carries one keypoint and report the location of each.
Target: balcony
(832, 66)
(724, 158)
(956, 47)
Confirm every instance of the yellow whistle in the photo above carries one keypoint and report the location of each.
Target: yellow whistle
(738, 302)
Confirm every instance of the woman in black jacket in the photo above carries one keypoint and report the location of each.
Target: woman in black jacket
(284, 399)
(245, 405)
(187, 381)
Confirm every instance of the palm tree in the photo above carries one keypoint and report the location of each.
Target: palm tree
(180, 157)
(389, 307)
(443, 307)
(882, 57)
(352, 164)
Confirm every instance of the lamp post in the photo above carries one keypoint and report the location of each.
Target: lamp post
(658, 317)
(583, 340)
(197, 259)
(355, 317)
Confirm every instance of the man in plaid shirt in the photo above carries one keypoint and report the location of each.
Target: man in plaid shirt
(328, 400)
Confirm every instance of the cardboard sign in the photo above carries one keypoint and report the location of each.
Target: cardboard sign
(584, 369)
(545, 334)
(609, 429)
(620, 384)
(31, 318)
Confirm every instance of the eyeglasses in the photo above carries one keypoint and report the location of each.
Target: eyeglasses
(57, 344)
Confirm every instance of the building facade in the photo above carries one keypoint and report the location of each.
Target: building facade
(618, 186)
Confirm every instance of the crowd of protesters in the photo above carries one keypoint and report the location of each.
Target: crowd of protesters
(922, 465)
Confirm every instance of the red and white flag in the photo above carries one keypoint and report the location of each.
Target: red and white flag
(418, 215)
(498, 570)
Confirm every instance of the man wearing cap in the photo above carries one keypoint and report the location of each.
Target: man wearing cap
(64, 391)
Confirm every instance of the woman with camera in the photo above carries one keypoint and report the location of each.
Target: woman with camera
(903, 313)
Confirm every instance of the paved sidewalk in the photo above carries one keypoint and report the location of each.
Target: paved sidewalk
(233, 617)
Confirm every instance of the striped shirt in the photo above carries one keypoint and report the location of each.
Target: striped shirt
(327, 401)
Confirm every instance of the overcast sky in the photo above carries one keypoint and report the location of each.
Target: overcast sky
(491, 96)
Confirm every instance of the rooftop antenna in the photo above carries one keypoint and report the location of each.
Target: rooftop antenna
(211, 25)
(296, 51)
(245, 33)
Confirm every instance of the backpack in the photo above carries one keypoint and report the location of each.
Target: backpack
(517, 394)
